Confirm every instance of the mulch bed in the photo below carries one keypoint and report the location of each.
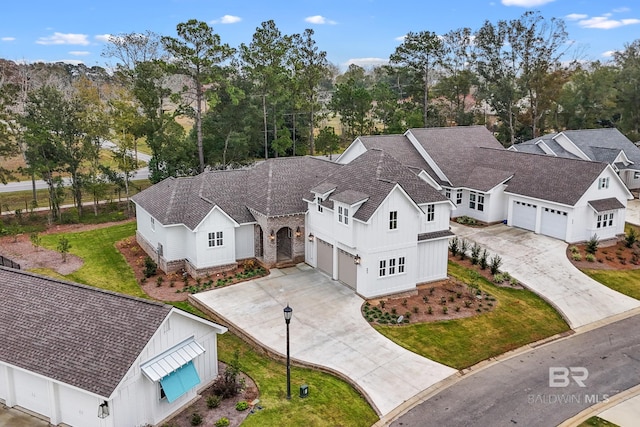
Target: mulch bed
(610, 255)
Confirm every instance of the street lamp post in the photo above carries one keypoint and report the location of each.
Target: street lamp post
(288, 312)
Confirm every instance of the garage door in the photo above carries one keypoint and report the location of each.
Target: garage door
(553, 223)
(325, 257)
(524, 215)
(347, 269)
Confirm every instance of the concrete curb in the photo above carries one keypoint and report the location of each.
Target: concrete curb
(601, 407)
(447, 382)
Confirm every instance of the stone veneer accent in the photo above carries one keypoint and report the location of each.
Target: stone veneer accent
(270, 255)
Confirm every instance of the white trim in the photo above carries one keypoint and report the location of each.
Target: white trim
(172, 359)
(423, 152)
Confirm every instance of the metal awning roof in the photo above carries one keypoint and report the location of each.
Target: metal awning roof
(171, 360)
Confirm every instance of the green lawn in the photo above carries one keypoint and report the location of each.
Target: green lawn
(521, 317)
(331, 401)
(624, 281)
(104, 266)
(597, 422)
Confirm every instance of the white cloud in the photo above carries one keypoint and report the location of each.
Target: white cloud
(227, 19)
(622, 9)
(7, 39)
(604, 23)
(367, 62)
(79, 52)
(401, 38)
(576, 16)
(608, 54)
(60, 38)
(103, 37)
(525, 3)
(319, 20)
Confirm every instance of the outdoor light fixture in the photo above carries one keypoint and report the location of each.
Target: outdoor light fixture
(298, 232)
(311, 237)
(272, 236)
(288, 312)
(103, 410)
(357, 259)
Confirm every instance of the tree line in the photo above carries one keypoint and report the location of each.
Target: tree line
(276, 95)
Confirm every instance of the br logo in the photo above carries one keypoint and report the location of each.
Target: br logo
(560, 376)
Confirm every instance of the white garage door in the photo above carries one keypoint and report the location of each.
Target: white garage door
(32, 392)
(78, 408)
(553, 223)
(347, 269)
(325, 257)
(524, 215)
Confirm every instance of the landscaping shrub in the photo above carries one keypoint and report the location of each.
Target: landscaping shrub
(242, 406)
(464, 247)
(222, 422)
(483, 259)
(576, 256)
(228, 384)
(494, 264)
(213, 401)
(592, 244)
(574, 249)
(454, 245)
(475, 253)
(466, 220)
(590, 257)
(196, 419)
(631, 237)
(150, 267)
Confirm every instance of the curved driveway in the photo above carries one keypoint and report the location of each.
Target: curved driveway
(540, 262)
(326, 329)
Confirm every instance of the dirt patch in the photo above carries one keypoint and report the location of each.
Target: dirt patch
(19, 249)
(610, 255)
(227, 407)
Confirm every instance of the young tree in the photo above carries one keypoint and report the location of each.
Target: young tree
(421, 52)
(199, 55)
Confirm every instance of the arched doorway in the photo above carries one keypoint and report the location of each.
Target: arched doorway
(284, 243)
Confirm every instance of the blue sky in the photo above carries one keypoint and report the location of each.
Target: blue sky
(351, 31)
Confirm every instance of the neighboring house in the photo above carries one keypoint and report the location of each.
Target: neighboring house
(563, 198)
(607, 145)
(82, 356)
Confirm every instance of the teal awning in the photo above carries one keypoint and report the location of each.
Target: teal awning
(180, 381)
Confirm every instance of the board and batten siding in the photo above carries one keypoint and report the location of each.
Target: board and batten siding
(432, 260)
(245, 244)
(206, 256)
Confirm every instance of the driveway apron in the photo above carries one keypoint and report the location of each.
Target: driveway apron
(540, 262)
(327, 329)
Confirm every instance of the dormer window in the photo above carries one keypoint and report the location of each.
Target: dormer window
(603, 183)
(343, 215)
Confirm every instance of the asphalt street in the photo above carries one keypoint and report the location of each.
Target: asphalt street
(587, 369)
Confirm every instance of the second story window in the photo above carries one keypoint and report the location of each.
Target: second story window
(603, 183)
(343, 215)
(459, 197)
(393, 220)
(431, 213)
(319, 201)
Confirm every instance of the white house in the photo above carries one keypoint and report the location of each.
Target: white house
(86, 357)
(569, 199)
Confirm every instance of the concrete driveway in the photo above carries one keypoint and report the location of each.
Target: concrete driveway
(326, 329)
(633, 212)
(540, 262)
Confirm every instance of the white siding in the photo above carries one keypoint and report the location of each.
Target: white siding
(78, 408)
(352, 152)
(432, 260)
(32, 392)
(206, 256)
(245, 247)
(174, 243)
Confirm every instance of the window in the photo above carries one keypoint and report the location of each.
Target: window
(319, 202)
(163, 395)
(459, 197)
(603, 183)
(636, 175)
(476, 201)
(447, 193)
(391, 266)
(393, 220)
(383, 268)
(605, 220)
(153, 224)
(343, 215)
(216, 239)
(431, 213)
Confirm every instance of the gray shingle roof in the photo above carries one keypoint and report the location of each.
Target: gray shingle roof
(273, 187)
(609, 204)
(540, 176)
(449, 148)
(82, 336)
(374, 174)
(435, 235)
